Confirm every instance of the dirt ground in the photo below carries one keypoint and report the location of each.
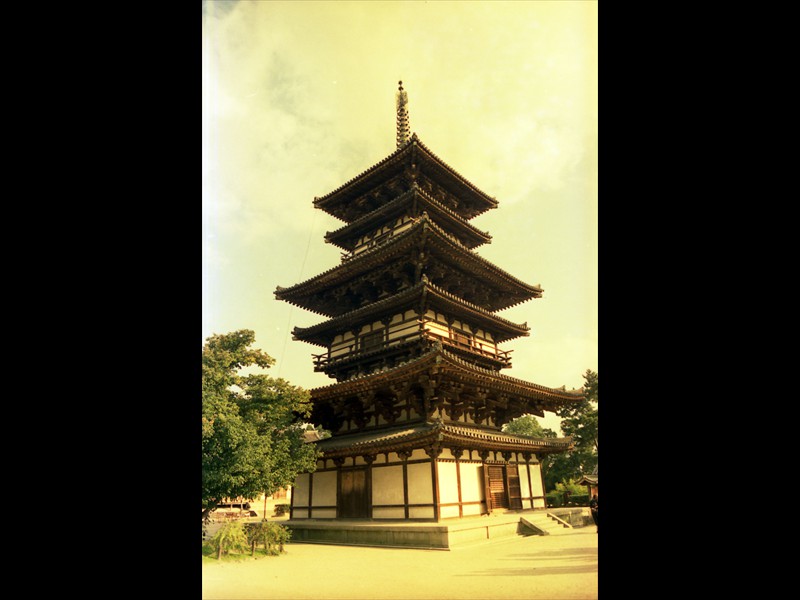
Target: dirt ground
(554, 567)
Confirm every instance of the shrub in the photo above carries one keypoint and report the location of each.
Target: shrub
(230, 536)
(271, 536)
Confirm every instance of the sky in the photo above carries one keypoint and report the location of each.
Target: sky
(299, 98)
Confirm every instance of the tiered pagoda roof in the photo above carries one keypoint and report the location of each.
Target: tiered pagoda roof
(441, 434)
(422, 295)
(522, 397)
(414, 201)
(382, 182)
(480, 281)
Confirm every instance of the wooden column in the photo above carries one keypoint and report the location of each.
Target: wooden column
(457, 452)
(310, 495)
(338, 461)
(527, 457)
(405, 455)
(487, 491)
(369, 459)
(434, 452)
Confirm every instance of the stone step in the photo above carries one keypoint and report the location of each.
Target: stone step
(545, 524)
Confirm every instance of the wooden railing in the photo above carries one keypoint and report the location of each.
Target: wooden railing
(414, 330)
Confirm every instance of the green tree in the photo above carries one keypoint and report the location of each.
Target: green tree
(579, 421)
(251, 424)
(529, 426)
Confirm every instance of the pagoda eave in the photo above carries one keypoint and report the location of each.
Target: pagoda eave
(441, 435)
(439, 360)
(418, 297)
(413, 152)
(423, 234)
(347, 237)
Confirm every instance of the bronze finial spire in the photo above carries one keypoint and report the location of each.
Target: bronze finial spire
(403, 129)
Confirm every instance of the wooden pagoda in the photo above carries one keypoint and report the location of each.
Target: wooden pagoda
(414, 346)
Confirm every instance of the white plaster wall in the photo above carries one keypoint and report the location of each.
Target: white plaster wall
(523, 480)
(471, 510)
(300, 490)
(418, 454)
(536, 480)
(324, 490)
(387, 485)
(420, 487)
(300, 513)
(323, 513)
(448, 512)
(389, 513)
(538, 503)
(446, 453)
(471, 482)
(448, 482)
(420, 512)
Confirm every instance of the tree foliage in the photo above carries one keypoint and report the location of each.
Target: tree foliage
(230, 537)
(529, 426)
(271, 535)
(251, 424)
(578, 420)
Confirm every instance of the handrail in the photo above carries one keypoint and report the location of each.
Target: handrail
(353, 350)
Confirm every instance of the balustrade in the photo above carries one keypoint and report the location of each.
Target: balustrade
(409, 331)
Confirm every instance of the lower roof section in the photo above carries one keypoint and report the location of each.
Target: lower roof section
(439, 361)
(435, 435)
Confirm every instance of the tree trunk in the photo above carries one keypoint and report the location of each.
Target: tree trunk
(254, 549)
(209, 510)
(219, 551)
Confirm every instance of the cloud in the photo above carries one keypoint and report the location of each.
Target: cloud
(298, 98)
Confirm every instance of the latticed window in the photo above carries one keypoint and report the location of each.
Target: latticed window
(461, 337)
(372, 341)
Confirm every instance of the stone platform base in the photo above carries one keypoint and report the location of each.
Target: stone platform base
(404, 534)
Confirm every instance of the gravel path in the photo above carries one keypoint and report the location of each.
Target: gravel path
(553, 567)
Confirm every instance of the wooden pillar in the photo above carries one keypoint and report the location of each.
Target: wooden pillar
(369, 459)
(541, 476)
(310, 495)
(433, 452)
(527, 457)
(487, 491)
(457, 452)
(405, 455)
(338, 461)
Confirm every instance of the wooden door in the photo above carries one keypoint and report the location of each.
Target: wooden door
(497, 487)
(353, 494)
(514, 487)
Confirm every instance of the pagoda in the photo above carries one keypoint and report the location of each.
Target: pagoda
(414, 346)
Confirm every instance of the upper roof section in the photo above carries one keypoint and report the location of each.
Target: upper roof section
(424, 248)
(411, 203)
(411, 163)
(422, 296)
